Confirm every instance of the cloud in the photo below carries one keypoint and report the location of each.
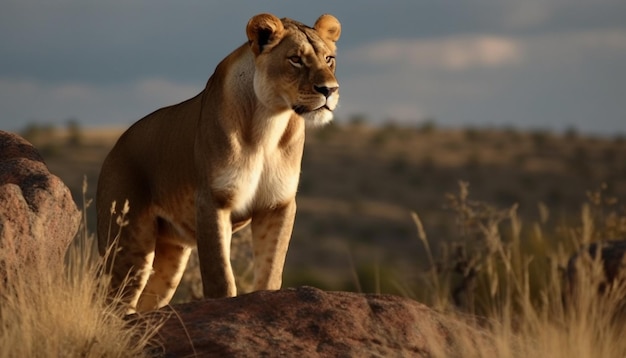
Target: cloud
(586, 44)
(460, 52)
(25, 100)
(557, 15)
(528, 13)
(549, 80)
(560, 78)
(408, 79)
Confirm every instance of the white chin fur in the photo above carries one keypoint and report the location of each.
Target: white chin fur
(317, 118)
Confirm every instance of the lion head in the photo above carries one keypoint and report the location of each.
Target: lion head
(295, 65)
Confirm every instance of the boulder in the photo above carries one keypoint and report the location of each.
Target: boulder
(306, 322)
(38, 217)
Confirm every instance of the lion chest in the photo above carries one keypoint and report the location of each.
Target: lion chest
(257, 180)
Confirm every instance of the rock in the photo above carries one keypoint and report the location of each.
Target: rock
(305, 322)
(38, 217)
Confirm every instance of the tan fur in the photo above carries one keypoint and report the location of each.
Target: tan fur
(195, 172)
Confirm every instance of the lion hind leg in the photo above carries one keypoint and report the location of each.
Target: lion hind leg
(130, 268)
(129, 263)
(168, 267)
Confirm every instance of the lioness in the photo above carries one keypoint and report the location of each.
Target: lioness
(196, 172)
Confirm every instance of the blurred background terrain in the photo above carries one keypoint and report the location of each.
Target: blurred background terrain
(360, 183)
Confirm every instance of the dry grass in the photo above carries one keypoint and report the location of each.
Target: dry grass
(519, 294)
(67, 314)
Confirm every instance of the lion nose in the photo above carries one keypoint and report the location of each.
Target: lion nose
(326, 90)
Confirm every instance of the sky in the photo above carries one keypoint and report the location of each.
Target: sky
(531, 64)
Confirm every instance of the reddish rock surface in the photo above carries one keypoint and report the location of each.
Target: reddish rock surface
(38, 217)
(306, 322)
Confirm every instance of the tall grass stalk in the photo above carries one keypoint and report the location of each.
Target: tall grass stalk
(67, 313)
(519, 295)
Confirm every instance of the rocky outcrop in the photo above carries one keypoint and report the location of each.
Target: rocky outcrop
(308, 322)
(38, 217)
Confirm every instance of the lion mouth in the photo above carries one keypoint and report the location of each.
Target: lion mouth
(302, 109)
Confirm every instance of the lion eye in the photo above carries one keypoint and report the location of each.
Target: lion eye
(296, 61)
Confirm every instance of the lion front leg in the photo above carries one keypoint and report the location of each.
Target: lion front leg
(213, 234)
(271, 232)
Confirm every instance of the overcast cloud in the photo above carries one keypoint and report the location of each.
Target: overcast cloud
(534, 63)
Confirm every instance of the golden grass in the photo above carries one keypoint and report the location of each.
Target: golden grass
(519, 296)
(67, 314)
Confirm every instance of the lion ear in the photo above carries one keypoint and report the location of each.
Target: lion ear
(328, 27)
(263, 30)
